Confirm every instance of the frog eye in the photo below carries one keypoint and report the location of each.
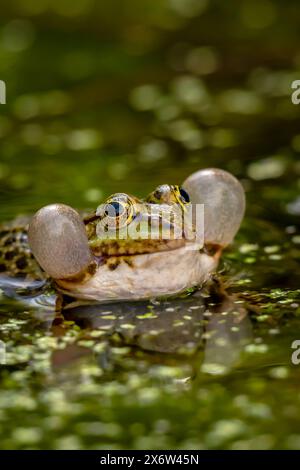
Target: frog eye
(184, 195)
(117, 212)
(58, 241)
(115, 209)
(223, 198)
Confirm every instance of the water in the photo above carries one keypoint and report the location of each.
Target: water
(80, 124)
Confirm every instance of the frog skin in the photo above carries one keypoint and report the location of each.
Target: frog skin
(89, 258)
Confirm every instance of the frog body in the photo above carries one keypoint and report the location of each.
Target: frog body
(128, 248)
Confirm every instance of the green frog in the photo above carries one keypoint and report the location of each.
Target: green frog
(128, 249)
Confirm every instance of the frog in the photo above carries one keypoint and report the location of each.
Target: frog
(128, 249)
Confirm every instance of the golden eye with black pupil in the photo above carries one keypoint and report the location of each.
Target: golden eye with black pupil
(114, 209)
(180, 196)
(184, 195)
(119, 210)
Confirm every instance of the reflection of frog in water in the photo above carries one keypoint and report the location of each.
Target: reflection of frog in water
(88, 260)
(210, 321)
(181, 325)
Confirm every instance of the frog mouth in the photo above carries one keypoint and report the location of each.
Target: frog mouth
(131, 248)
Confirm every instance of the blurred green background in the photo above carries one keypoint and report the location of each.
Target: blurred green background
(121, 96)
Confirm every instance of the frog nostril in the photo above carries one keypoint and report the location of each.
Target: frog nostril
(158, 194)
(58, 240)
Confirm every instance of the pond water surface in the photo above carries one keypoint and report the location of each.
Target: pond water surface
(99, 104)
